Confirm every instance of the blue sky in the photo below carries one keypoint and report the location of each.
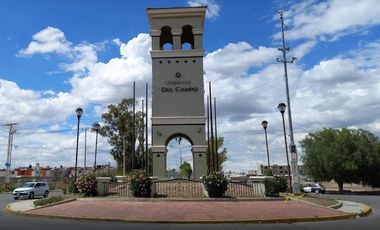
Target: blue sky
(58, 55)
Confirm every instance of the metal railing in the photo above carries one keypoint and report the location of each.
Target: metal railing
(179, 188)
(245, 189)
(119, 189)
(190, 188)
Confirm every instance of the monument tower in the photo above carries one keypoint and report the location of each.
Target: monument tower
(177, 84)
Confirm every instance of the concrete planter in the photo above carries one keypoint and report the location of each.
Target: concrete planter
(103, 185)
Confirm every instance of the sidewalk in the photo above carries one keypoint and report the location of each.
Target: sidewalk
(200, 211)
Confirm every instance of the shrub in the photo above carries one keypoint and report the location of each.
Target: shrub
(140, 183)
(215, 184)
(71, 186)
(7, 187)
(275, 185)
(46, 201)
(86, 184)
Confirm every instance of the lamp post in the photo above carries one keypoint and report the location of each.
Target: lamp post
(282, 107)
(265, 125)
(96, 128)
(79, 112)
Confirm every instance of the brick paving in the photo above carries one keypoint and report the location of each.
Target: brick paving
(188, 211)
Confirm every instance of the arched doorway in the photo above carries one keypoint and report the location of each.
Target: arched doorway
(179, 158)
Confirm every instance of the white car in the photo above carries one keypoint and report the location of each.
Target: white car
(315, 187)
(31, 190)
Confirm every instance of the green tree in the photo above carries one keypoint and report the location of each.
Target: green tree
(368, 157)
(344, 155)
(186, 169)
(118, 125)
(222, 152)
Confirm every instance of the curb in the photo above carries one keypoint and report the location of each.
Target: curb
(255, 221)
(365, 211)
(9, 210)
(336, 206)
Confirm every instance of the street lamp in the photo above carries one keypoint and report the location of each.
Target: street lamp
(96, 128)
(265, 125)
(79, 113)
(282, 107)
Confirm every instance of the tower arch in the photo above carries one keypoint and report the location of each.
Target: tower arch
(187, 37)
(166, 38)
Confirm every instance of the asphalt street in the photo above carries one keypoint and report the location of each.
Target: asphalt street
(14, 222)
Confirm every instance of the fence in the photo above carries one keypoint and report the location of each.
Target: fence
(190, 188)
(245, 189)
(179, 188)
(119, 189)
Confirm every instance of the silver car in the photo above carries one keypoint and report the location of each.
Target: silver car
(31, 190)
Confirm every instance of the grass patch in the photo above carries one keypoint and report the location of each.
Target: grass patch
(318, 200)
(49, 200)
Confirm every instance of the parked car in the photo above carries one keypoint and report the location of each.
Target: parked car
(315, 187)
(31, 190)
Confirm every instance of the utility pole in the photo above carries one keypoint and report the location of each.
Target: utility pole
(9, 154)
(292, 146)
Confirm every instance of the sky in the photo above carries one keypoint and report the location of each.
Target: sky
(56, 56)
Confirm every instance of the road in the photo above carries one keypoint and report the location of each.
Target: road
(15, 222)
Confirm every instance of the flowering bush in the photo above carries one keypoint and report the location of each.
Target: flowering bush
(215, 184)
(86, 184)
(140, 183)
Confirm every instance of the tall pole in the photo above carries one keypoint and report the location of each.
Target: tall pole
(96, 149)
(124, 156)
(286, 150)
(9, 153)
(96, 127)
(146, 130)
(212, 128)
(292, 146)
(134, 126)
(79, 112)
(208, 136)
(142, 144)
(85, 148)
(216, 137)
(265, 125)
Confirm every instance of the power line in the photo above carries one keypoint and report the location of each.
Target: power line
(250, 89)
(22, 132)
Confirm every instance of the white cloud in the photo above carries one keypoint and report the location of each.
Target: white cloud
(31, 106)
(49, 40)
(84, 57)
(331, 19)
(212, 7)
(237, 59)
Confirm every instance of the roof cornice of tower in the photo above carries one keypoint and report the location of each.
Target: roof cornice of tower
(173, 12)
